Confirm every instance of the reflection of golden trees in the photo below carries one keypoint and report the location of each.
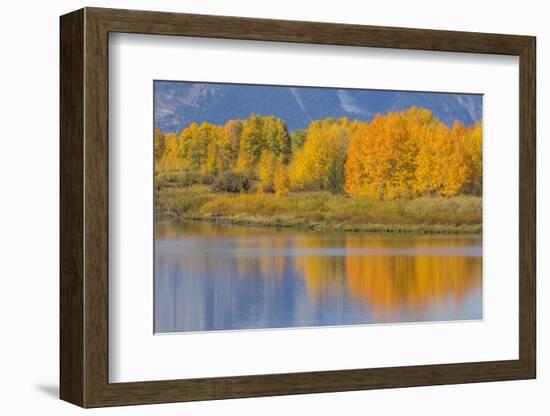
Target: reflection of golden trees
(389, 280)
(273, 263)
(391, 283)
(324, 274)
(392, 274)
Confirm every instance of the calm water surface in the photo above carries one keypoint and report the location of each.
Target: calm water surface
(225, 277)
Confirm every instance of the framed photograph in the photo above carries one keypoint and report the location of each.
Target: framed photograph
(257, 207)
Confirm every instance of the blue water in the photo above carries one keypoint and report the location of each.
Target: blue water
(223, 277)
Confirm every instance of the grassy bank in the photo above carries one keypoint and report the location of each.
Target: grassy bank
(322, 210)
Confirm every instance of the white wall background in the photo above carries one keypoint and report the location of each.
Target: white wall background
(29, 158)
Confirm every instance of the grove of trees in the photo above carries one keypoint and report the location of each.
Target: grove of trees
(399, 155)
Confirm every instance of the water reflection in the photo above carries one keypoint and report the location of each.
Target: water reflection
(222, 277)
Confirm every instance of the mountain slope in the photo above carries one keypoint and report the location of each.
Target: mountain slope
(177, 104)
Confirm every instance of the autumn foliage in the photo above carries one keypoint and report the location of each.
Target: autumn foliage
(399, 155)
(412, 153)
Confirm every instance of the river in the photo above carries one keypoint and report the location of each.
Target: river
(214, 277)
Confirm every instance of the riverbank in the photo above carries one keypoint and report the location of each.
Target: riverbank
(322, 211)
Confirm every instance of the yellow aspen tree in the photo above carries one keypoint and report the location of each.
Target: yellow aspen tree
(251, 144)
(455, 167)
(189, 138)
(377, 162)
(474, 156)
(159, 141)
(355, 171)
(430, 160)
(225, 153)
(211, 163)
(319, 164)
(281, 182)
(233, 130)
(171, 159)
(297, 171)
(405, 154)
(266, 171)
(403, 141)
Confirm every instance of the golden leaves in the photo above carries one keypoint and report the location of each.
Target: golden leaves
(399, 155)
(407, 154)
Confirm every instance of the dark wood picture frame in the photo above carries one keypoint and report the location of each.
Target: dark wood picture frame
(84, 207)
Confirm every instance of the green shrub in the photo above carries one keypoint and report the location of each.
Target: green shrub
(232, 182)
(182, 179)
